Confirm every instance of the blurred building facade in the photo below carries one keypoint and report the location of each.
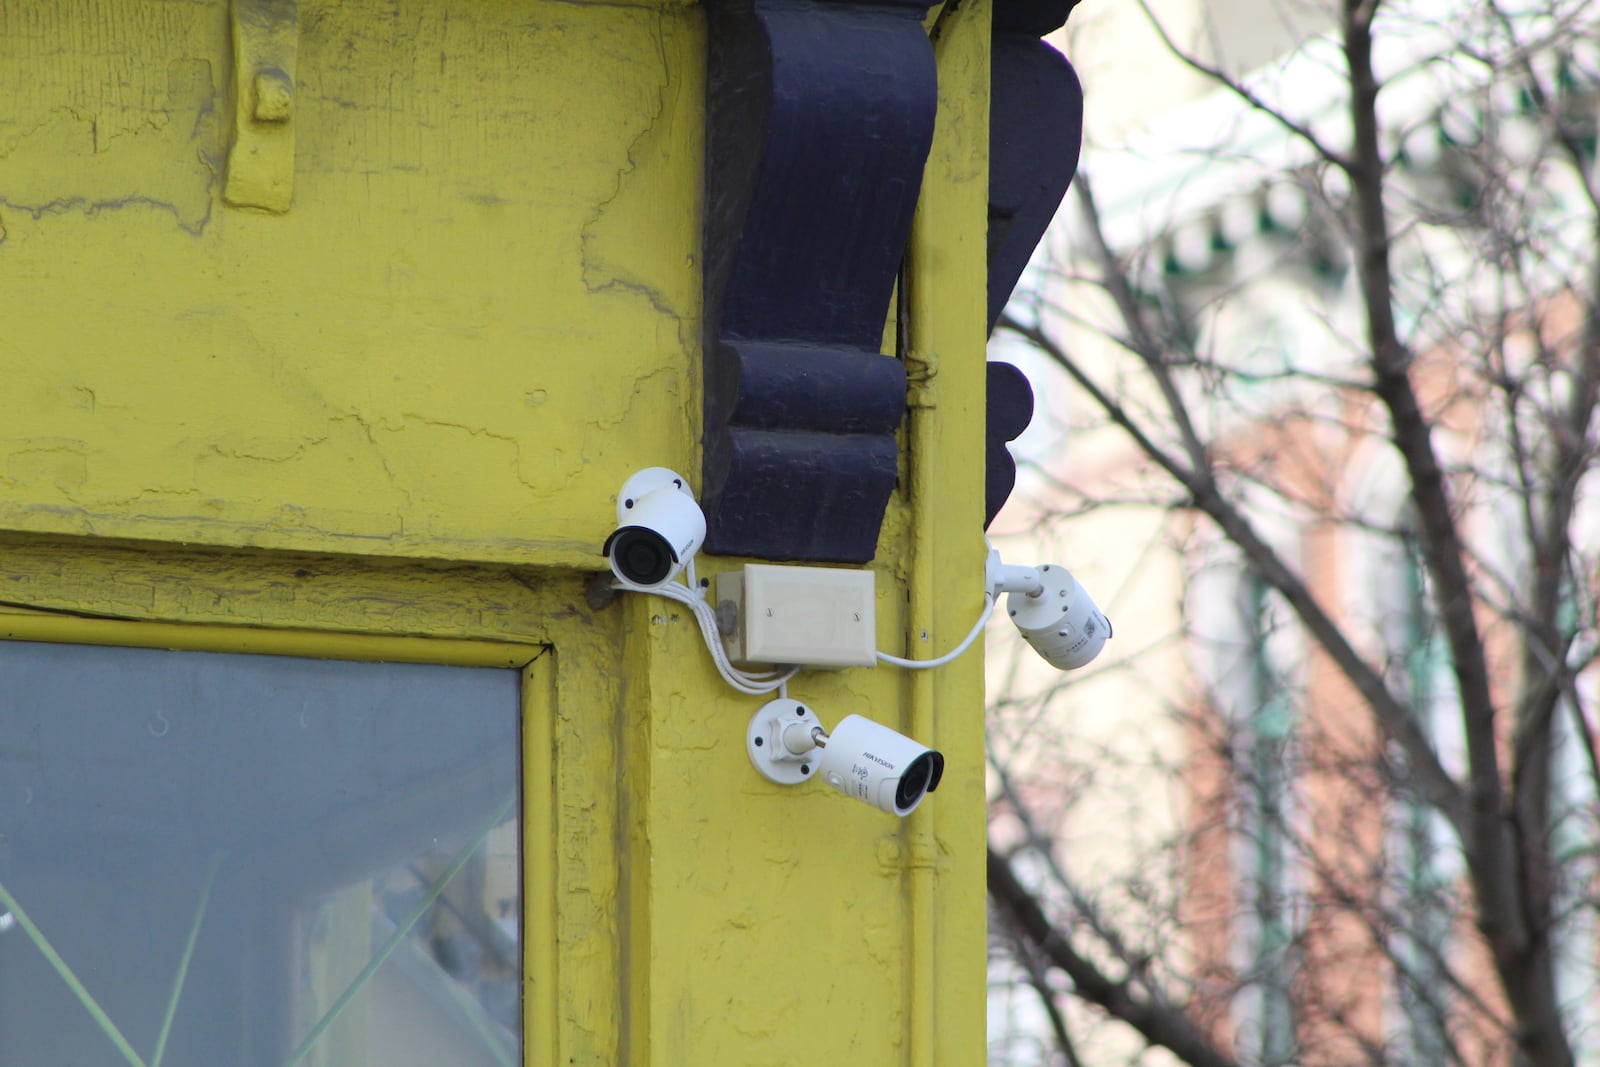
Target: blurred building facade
(1191, 764)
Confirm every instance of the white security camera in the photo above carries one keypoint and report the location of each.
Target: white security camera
(659, 528)
(872, 763)
(1053, 612)
(860, 758)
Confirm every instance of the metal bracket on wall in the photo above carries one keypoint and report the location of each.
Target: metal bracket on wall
(819, 117)
(266, 38)
(1035, 132)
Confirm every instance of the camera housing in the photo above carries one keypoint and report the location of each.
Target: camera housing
(1060, 621)
(874, 764)
(860, 758)
(659, 528)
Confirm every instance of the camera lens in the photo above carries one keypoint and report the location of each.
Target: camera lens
(642, 556)
(922, 776)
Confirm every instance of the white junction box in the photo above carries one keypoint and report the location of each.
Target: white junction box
(801, 616)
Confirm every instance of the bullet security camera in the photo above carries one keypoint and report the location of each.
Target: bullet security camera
(1053, 612)
(659, 528)
(1060, 621)
(860, 758)
(872, 763)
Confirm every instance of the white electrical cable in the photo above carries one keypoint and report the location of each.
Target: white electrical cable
(925, 664)
(706, 618)
(694, 598)
(745, 682)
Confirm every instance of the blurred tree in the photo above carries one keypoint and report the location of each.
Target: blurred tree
(1339, 333)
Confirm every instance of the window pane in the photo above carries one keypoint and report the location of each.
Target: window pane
(253, 860)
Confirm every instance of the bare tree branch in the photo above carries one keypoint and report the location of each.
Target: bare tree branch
(1243, 92)
(1410, 503)
(1159, 1024)
(1195, 477)
(1039, 980)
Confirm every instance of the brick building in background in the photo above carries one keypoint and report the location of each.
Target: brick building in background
(1216, 812)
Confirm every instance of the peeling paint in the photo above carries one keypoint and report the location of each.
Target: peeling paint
(158, 159)
(653, 271)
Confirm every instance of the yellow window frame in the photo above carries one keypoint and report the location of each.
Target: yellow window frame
(79, 593)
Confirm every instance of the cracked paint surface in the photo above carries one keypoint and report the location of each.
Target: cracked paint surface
(490, 257)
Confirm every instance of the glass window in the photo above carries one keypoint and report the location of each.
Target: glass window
(254, 860)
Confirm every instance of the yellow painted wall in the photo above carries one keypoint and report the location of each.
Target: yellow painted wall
(489, 257)
(401, 409)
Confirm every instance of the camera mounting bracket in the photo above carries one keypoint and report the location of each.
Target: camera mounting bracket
(783, 741)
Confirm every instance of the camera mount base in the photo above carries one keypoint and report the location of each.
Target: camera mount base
(782, 741)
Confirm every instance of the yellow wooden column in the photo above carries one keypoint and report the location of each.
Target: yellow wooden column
(947, 286)
(791, 925)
